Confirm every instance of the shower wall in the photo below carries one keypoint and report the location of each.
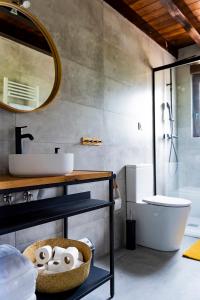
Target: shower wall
(177, 179)
(165, 170)
(188, 146)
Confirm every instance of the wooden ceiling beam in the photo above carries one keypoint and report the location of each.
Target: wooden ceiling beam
(134, 18)
(180, 12)
(130, 2)
(184, 8)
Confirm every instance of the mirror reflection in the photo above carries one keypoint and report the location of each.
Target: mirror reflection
(27, 71)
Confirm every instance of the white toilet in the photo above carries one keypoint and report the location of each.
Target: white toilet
(160, 220)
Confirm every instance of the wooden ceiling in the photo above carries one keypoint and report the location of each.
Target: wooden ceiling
(173, 24)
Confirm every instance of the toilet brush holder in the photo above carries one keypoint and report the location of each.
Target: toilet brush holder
(131, 234)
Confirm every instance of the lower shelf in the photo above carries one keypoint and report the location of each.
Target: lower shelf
(96, 278)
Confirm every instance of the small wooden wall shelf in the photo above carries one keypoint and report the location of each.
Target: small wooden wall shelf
(86, 141)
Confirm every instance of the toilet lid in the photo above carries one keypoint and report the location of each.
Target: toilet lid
(167, 201)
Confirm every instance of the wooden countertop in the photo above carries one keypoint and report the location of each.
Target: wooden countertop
(11, 182)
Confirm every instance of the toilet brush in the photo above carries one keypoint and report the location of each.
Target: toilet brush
(131, 233)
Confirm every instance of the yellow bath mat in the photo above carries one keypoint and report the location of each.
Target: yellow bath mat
(193, 252)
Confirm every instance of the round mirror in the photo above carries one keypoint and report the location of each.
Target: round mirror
(30, 69)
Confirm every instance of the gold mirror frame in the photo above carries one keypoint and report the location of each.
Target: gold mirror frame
(56, 58)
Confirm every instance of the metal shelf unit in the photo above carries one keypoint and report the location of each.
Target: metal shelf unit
(25, 215)
(96, 278)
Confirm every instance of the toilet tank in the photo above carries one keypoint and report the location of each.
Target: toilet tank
(139, 182)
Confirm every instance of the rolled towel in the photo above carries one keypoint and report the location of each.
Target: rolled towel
(78, 264)
(65, 269)
(57, 252)
(73, 251)
(80, 256)
(54, 266)
(69, 259)
(47, 272)
(43, 255)
(40, 268)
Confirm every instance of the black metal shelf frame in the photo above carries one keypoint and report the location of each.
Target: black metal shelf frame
(24, 215)
(96, 278)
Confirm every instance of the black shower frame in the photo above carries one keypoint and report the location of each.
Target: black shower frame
(154, 70)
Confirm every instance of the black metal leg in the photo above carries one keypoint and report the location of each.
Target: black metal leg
(111, 227)
(65, 220)
(65, 225)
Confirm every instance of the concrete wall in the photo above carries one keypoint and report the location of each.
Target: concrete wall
(106, 90)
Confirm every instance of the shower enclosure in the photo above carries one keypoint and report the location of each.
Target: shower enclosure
(176, 128)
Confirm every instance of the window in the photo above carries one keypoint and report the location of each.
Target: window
(196, 104)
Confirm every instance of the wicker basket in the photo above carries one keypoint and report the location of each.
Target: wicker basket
(60, 282)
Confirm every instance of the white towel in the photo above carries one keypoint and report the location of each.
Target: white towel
(13, 263)
(33, 297)
(17, 275)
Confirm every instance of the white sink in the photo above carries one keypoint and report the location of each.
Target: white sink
(30, 165)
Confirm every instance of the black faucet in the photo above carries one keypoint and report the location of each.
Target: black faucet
(18, 138)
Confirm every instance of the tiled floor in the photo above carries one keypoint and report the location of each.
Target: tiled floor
(145, 274)
(193, 227)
